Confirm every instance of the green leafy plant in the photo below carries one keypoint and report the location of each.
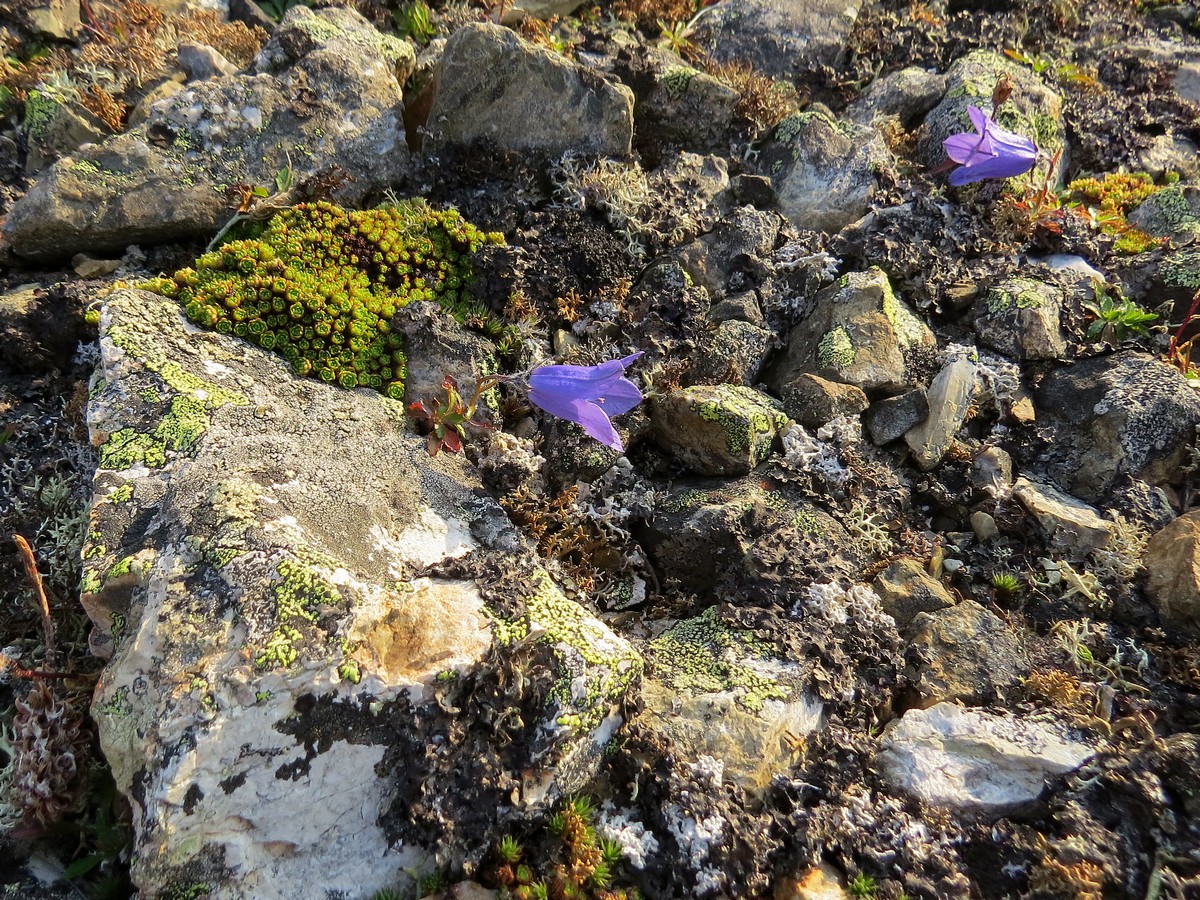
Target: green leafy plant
(861, 886)
(277, 9)
(1006, 584)
(415, 20)
(445, 422)
(1116, 321)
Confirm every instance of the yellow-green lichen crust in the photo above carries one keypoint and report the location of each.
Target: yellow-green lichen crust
(612, 664)
(745, 416)
(1016, 293)
(836, 349)
(704, 656)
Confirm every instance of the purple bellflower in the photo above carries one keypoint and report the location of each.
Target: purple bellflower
(587, 395)
(988, 152)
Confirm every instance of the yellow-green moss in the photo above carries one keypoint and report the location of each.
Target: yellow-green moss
(320, 285)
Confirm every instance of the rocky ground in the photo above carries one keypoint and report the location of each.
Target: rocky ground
(893, 591)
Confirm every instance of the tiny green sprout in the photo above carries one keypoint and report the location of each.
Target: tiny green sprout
(1006, 583)
(583, 806)
(556, 823)
(539, 890)
(524, 874)
(861, 886)
(415, 20)
(387, 894)
(1116, 321)
(602, 875)
(509, 850)
(611, 851)
(284, 179)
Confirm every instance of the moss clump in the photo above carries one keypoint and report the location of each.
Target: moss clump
(320, 285)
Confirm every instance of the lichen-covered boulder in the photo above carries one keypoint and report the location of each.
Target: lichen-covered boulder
(326, 104)
(906, 94)
(1020, 317)
(720, 429)
(1032, 110)
(283, 659)
(824, 171)
(1125, 414)
(734, 352)
(858, 333)
(492, 85)
(682, 105)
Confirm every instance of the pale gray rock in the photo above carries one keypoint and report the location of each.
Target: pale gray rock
(779, 38)
(54, 18)
(824, 171)
(1124, 414)
(165, 180)
(1020, 317)
(968, 653)
(547, 9)
(714, 260)
(906, 94)
(949, 398)
(1068, 523)
(992, 471)
(492, 85)
(276, 662)
(720, 429)
(970, 760)
(984, 526)
(1170, 153)
(1173, 212)
(1033, 110)
(857, 334)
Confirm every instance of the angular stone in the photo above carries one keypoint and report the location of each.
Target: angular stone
(905, 589)
(56, 124)
(857, 335)
(825, 172)
(277, 669)
(888, 419)
(741, 307)
(1020, 318)
(779, 38)
(949, 400)
(721, 429)
(970, 760)
(685, 106)
(735, 353)
(202, 62)
(1069, 524)
(492, 85)
(1172, 563)
(906, 94)
(166, 180)
(812, 401)
(972, 655)
(1124, 414)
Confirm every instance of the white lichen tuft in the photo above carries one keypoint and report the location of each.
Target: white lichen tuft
(806, 453)
(840, 605)
(637, 844)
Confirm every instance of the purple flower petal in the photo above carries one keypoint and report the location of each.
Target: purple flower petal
(587, 395)
(991, 152)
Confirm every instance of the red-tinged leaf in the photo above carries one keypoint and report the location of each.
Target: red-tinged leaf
(452, 442)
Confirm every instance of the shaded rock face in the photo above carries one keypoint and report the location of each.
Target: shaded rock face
(1125, 414)
(159, 182)
(779, 37)
(1020, 318)
(492, 85)
(278, 663)
(720, 429)
(825, 172)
